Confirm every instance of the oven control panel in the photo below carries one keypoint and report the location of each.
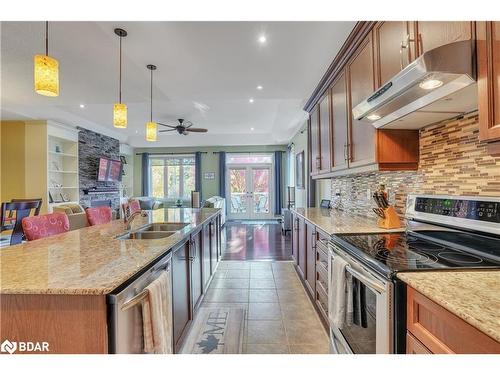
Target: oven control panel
(481, 210)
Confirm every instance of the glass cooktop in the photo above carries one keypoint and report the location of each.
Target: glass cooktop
(408, 251)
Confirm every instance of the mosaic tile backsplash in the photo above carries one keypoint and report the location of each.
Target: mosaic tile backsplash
(452, 161)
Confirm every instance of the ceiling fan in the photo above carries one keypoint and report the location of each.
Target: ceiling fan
(182, 127)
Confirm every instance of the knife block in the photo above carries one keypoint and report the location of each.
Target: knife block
(391, 220)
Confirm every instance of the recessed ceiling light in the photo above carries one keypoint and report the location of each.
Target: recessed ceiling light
(373, 117)
(430, 84)
(252, 129)
(262, 39)
(259, 87)
(82, 105)
(251, 100)
(137, 132)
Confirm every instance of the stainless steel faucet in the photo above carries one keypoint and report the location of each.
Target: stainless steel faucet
(127, 219)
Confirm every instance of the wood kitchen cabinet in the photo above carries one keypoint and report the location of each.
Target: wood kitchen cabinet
(314, 143)
(394, 49)
(196, 251)
(302, 248)
(432, 34)
(206, 267)
(357, 146)
(295, 238)
(340, 125)
(433, 328)
(488, 66)
(214, 252)
(310, 274)
(181, 294)
(360, 80)
(325, 140)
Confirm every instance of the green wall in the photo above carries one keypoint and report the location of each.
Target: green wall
(209, 163)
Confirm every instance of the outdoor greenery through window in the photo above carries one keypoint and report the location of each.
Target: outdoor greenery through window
(172, 176)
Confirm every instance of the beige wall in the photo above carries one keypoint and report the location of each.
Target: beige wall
(300, 144)
(13, 160)
(23, 160)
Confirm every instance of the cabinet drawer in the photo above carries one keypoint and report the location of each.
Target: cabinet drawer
(413, 346)
(322, 274)
(442, 331)
(322, 300)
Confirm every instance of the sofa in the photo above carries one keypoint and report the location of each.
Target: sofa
(217, 202)
(149, 203)
(76, 215)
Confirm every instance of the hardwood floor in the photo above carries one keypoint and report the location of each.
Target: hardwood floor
(255, 241)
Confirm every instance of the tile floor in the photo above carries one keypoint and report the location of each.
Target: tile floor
(280, 318)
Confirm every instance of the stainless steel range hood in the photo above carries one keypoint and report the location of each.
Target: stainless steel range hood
(437, 86)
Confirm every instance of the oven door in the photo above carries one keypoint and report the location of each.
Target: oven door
(370, 331)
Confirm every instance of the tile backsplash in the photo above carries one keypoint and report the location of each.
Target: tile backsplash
(452, 161)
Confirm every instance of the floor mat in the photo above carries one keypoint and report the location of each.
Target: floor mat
(216, 331)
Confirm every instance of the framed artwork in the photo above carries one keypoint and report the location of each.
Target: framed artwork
(123, 159)
(299, 171)
(64, 197)
(51, 200)
(209, 175)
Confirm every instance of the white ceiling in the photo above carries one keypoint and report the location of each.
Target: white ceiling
(215, 66)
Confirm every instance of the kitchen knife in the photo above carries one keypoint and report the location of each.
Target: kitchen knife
(377, 200)
(383, 198)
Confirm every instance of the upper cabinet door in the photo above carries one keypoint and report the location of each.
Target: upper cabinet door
(488, 64)
(394, 49)
(360, 86)
(314, 138)
(339, 122)
(325, 134)
(432, 34)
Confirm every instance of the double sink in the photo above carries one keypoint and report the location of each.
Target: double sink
(153, 231)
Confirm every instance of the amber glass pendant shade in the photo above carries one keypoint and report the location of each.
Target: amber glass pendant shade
(46, 75)
(120, 115)
(151, 132)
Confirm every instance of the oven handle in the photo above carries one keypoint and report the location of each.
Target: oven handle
(377, 287)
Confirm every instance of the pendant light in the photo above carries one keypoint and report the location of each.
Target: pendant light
(120, 109)
(151, 127)
(46, 71)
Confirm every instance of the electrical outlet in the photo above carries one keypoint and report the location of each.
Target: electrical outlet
(368, 194)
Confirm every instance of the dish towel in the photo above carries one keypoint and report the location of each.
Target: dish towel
(349, 299)
(337, 293)
(157, 316)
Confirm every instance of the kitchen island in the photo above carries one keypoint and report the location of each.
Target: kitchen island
(453, 311)
(54, 289)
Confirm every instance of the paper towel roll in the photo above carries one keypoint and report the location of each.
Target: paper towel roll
(195, 199)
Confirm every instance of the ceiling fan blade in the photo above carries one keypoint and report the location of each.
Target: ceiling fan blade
(196, 130)
(170, 126)
(167, 130)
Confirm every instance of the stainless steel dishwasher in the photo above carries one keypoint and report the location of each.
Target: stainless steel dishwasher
(125, 313)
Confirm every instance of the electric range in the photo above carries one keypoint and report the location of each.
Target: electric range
(442, 233)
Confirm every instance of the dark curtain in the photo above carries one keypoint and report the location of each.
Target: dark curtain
(278, 171)
(145, 174)
(197, 181)
(222, 174)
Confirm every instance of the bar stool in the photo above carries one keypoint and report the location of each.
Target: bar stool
(99, 215)
(36, 227)
(12, 214)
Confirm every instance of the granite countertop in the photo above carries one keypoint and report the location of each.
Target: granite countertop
(339, 222)
(90, 260)
(474, 296)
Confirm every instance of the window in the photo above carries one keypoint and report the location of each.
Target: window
(249, 158)
(172, 176)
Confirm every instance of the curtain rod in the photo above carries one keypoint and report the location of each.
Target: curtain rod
(170, 153)
(248, 152)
